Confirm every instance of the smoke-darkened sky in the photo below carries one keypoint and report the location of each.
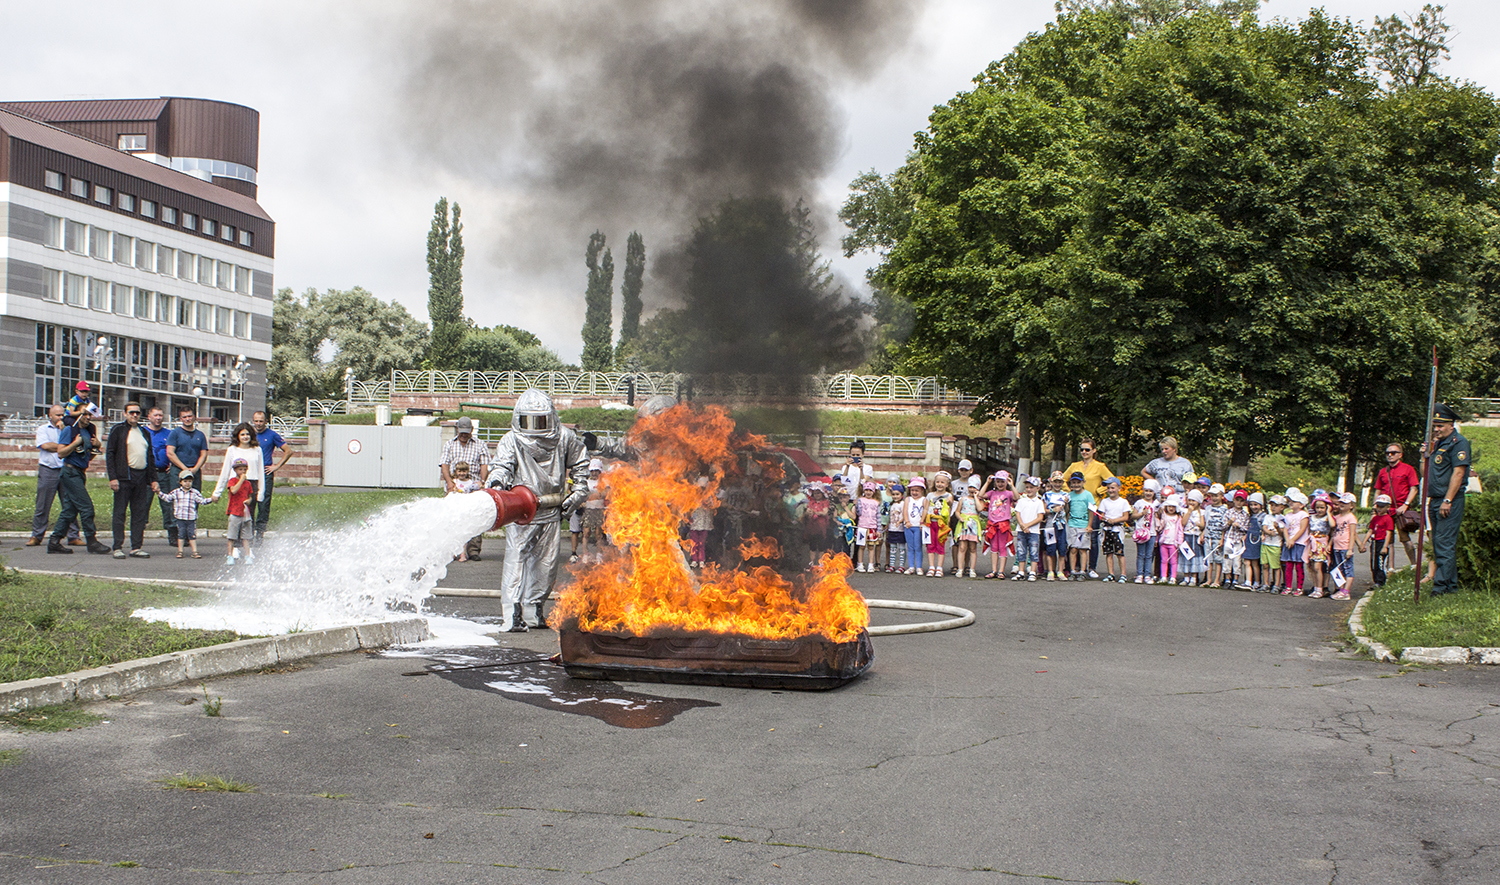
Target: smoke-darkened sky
(363, 125)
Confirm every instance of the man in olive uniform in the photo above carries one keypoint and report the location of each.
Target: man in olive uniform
(1447, 477)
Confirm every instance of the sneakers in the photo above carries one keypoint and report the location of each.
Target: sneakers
(119, 554)
(1093, 574)
(1031, 577)
(1341, 595)
(229, 560)
(1052, 576)
(140, 554)
(250, 556)
(1316, 594)
(1140, 579)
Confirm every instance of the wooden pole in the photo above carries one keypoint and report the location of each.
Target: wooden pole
(1416, 583)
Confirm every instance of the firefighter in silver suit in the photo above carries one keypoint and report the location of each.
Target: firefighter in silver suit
(542, 455)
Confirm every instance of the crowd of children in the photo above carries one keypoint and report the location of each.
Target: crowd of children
(1195, 534)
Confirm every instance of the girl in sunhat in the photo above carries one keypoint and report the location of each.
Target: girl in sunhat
(867, 528)
(1170, 538)
(1294, 545)
(939, 511)
(998, 534)
(916, 526)
(1319, 531)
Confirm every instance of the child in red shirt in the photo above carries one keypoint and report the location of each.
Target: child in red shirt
(1376, 537)
(240, 524)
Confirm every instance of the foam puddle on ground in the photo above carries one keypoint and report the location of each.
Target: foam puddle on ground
(533, 679)
(380, 569)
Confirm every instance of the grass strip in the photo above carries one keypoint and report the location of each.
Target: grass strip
(205, 783)
(51, 718)
(53, 624)
(289, 509)
(1468, 618)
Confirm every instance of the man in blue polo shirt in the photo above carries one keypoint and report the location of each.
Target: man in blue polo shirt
(156, 426)
(187, 449)
(270, 443)
(77, 444)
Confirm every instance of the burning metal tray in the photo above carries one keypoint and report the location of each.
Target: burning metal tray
(806, 663)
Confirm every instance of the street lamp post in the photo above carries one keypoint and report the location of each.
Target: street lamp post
(241, 369)
(198, 407)
(349, 387)
(102, 353)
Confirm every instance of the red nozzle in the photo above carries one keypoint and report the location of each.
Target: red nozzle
(518, 505)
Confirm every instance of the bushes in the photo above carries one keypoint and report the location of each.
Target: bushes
(1479, 543)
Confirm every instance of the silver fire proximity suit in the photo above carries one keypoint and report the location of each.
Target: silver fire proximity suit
(542, 455)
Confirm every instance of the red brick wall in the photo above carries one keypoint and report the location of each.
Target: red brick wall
(18, 456)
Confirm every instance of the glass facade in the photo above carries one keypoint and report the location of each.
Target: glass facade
(148, 371)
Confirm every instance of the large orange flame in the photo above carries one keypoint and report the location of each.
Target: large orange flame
(648, 590)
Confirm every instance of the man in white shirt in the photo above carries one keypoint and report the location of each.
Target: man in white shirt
(48, 470)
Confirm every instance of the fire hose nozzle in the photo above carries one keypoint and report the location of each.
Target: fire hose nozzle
(518, 505)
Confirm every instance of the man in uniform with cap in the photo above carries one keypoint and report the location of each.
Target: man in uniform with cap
(473, 452)
(1447, 476)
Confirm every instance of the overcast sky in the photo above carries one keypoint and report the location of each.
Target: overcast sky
(353, 197)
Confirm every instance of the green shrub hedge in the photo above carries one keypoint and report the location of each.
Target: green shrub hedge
(1479, 543)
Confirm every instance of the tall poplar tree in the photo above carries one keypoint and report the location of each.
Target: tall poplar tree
(630, 296)
(598, 355)
(445, 295)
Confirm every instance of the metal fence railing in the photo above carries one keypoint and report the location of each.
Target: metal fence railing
(876, 445)
(843, 386)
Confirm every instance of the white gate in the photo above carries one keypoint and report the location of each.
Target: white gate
(370, 456)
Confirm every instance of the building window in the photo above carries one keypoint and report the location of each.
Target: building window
(148, 209)
(75, 289)
(132, 142)
(75, 237)
(189, 221)
(122, 296)
(79, 188)
(205, 318)
(168, 215)
(142, 304)
(210, 227)
(52, 285)
(165, 310)
(247, 239)
(225, 278)
(99, 241)
(205, 270)
(145, 255)
(69, 365)
(161, 366)
(227, 233)
(127, 202)
(53, 180)
(185, 312)
(241, 324)
(223, 317)
(166, 260)
(242, 280)
(124, 249)
(99, 294)
(187, 266)
(103, 194)
(52, 231)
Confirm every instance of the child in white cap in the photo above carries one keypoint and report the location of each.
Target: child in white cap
(1272, 536)
(593, 514)
(1169, 539)
(1341, 556)
(999, 531)
(1146, 521)
(1255, 508)
(1027, 515)
(1294, 543)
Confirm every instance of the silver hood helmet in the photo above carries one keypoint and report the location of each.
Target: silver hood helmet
(656, 405)
(535, 418)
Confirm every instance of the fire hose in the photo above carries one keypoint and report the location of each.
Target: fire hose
(962, 617)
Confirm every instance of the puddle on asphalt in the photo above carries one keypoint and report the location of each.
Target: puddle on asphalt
(531, 679)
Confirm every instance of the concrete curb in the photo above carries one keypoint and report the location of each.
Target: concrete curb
(1450, 655)
(161, 671)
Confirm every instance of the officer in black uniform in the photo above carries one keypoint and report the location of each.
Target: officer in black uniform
(1447, 477)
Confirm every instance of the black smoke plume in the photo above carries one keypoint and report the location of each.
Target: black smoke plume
(643, 115)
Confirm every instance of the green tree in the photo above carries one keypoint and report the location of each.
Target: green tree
(351, 329)
(445, 297)
(630, 296)
(598, 356)
(1143, 15)
(500, 349)
(1408, 51)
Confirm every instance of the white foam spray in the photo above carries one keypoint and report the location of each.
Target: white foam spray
(366, 571)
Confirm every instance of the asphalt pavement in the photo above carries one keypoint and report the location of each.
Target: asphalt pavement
(1080, 731)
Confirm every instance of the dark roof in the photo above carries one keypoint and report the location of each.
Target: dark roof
(60, 140)
(89, 110)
